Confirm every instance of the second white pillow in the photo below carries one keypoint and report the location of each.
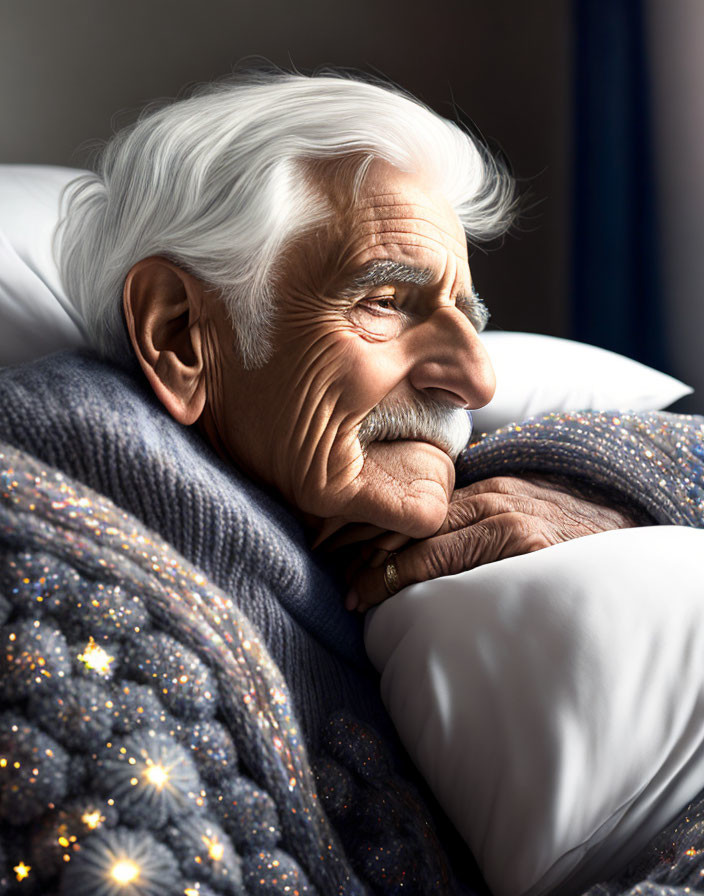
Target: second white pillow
(538, 374)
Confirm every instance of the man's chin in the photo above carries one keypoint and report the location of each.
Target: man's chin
(407, 486)
(400, 486)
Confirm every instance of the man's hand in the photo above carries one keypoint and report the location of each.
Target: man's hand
(489, 520)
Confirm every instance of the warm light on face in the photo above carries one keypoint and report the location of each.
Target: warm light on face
(124, 872)
(157, 775)
(96, 657)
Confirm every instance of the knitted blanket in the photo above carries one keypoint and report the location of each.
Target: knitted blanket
(134, 694)
(186, 706)
(653, 463)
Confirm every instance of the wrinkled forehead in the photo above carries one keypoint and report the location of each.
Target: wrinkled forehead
(392, 214)
(387, 191)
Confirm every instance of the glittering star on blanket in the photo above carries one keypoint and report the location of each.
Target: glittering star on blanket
(22, 870)
(95, 657)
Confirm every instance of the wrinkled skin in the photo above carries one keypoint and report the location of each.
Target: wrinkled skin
(293, 423)
(341, 349)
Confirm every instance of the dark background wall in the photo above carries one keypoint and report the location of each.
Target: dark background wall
(676, 39)
(71, 71)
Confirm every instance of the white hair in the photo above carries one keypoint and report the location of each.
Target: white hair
(217, 183)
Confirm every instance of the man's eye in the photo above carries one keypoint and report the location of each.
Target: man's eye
(380, 317)
(380, 305)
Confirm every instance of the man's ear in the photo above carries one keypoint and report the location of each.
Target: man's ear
(164, 312)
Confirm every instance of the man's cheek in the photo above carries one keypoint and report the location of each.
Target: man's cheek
(324, 473)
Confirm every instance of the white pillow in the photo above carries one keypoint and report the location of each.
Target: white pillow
(35, 316)
(538, 374)
(554, 701)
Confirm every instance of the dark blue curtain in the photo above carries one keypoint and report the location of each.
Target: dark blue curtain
(616, 290)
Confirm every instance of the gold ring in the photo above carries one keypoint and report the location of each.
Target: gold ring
(391, 575)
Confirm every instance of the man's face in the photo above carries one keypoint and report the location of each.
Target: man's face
(375, 309)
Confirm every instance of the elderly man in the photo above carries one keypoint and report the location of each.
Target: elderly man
(294, 279)
(275, 273)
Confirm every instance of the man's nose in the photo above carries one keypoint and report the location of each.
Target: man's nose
(451, 363)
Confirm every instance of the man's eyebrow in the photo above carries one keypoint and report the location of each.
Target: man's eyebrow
(382, 273)
(474, 309)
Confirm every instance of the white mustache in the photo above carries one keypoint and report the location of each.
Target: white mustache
(419, 419)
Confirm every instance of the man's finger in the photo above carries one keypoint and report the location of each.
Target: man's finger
(472, 509)
(529, 487)
(448, 554)
(391, 542)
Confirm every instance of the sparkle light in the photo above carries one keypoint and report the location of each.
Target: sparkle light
(157, 775)
(22, 870)
(92, 820)
(215, 848)
(96, 657)
(124, 871)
